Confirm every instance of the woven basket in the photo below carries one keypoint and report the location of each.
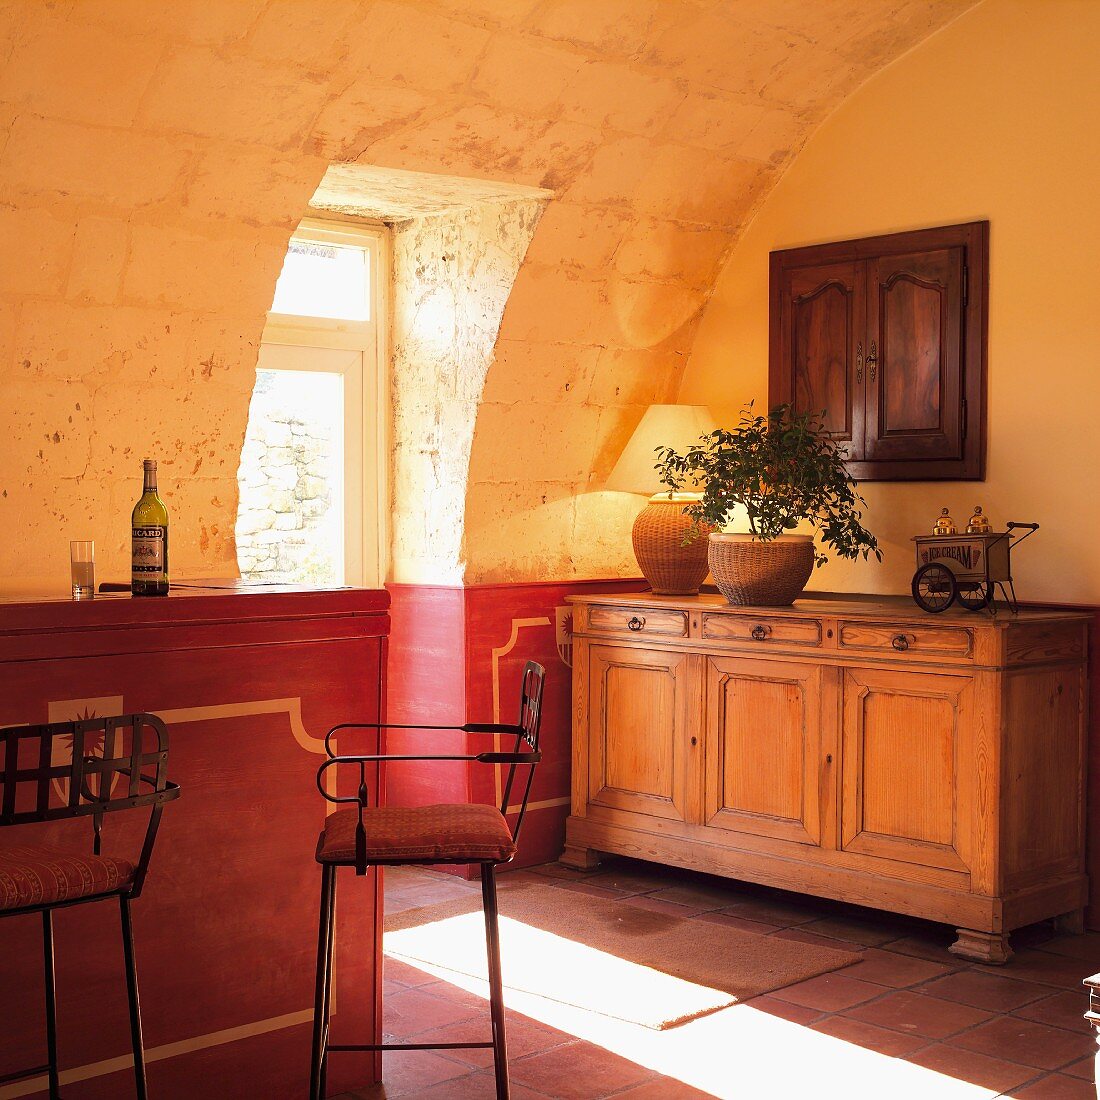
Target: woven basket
(752, 573)
(671, 568)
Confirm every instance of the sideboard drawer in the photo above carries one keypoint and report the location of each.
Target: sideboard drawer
(1035, 643)
(745, 628)
(641, 621)
(907, 639)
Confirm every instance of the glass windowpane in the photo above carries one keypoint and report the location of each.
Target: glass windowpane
(324, 280)
(290, 523)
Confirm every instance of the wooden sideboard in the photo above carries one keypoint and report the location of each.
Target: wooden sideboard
(849, 747)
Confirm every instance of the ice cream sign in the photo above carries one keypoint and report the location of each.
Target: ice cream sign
(966, 554)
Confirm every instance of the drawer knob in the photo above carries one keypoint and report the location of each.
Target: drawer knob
(759, 632)
(900, 642)
(635, 623)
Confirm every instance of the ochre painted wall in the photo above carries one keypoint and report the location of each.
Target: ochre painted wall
(154, 158)
(994, 117)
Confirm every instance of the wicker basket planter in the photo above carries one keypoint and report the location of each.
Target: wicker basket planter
(671, 567)
(751, 573)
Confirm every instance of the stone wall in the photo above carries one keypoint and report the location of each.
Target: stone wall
(453, 273)
(155, 158)
(285, 532)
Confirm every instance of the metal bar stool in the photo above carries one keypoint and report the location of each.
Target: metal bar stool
(40, 878)
(393, 836)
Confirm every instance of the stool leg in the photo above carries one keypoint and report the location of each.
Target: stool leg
(132, 995)
(496, 987)
(328, 977)
(317, 1073)
(51, 1001)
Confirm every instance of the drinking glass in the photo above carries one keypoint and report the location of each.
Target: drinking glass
(82, 560)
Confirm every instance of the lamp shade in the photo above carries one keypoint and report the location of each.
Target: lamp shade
(676, 426)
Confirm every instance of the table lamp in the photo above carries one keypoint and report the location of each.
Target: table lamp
(671, 568)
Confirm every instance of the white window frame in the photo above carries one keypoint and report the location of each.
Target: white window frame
(366, 399)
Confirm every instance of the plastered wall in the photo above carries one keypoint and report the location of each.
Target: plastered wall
(994, 117)
(154, 159)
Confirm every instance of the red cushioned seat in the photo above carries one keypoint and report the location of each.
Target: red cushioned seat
(30, 875)
(462, 833)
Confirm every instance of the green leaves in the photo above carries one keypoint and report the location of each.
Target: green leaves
(782, 468)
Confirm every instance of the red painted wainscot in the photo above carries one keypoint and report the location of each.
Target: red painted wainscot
(456, 656)
(248, 681)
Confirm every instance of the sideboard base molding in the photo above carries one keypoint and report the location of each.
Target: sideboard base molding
(979, 920)
(984, 947)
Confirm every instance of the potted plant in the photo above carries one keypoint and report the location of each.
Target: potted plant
(783, 469)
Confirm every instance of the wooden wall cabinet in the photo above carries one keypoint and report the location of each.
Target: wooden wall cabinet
(845, 747)
(887, 336)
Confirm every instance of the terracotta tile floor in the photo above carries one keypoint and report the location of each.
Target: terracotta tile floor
(909, 1020)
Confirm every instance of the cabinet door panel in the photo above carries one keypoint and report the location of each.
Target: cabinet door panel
(914, 392)
(901, 767)
(763, 748)
(638, 758)
(888, 334)
(823, 322)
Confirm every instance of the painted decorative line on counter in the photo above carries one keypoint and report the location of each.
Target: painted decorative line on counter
(159, 1054)
(497, 653)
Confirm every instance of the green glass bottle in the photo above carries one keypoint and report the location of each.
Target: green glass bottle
(149, 554)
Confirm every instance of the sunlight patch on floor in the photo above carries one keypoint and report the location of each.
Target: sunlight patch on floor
(739, 1053)
(546, 963)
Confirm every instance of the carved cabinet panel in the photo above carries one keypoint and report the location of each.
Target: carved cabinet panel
(823, 333)
(914, 402)
(637, 696)
(886, 337)
(902, 759)
(763, 734)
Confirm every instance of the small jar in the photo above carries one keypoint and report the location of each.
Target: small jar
(979, 523)
(945, 525)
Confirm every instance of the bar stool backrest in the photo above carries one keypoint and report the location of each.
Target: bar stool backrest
(530, 721)
(72, 769)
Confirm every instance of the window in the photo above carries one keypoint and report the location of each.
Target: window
(320, 279)
(311, 471)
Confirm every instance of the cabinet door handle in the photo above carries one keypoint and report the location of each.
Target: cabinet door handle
(759, 632)
(872, 362)
(900, 642)
(859, 363)
(635, 623)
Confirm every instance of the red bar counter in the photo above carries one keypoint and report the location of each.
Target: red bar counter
(248, 682)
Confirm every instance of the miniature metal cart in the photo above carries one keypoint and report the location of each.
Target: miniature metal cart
(966, 568)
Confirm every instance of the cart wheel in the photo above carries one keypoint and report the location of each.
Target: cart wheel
(976, 595)
(934, 587)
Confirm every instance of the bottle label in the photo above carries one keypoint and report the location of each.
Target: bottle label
(148, 553)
